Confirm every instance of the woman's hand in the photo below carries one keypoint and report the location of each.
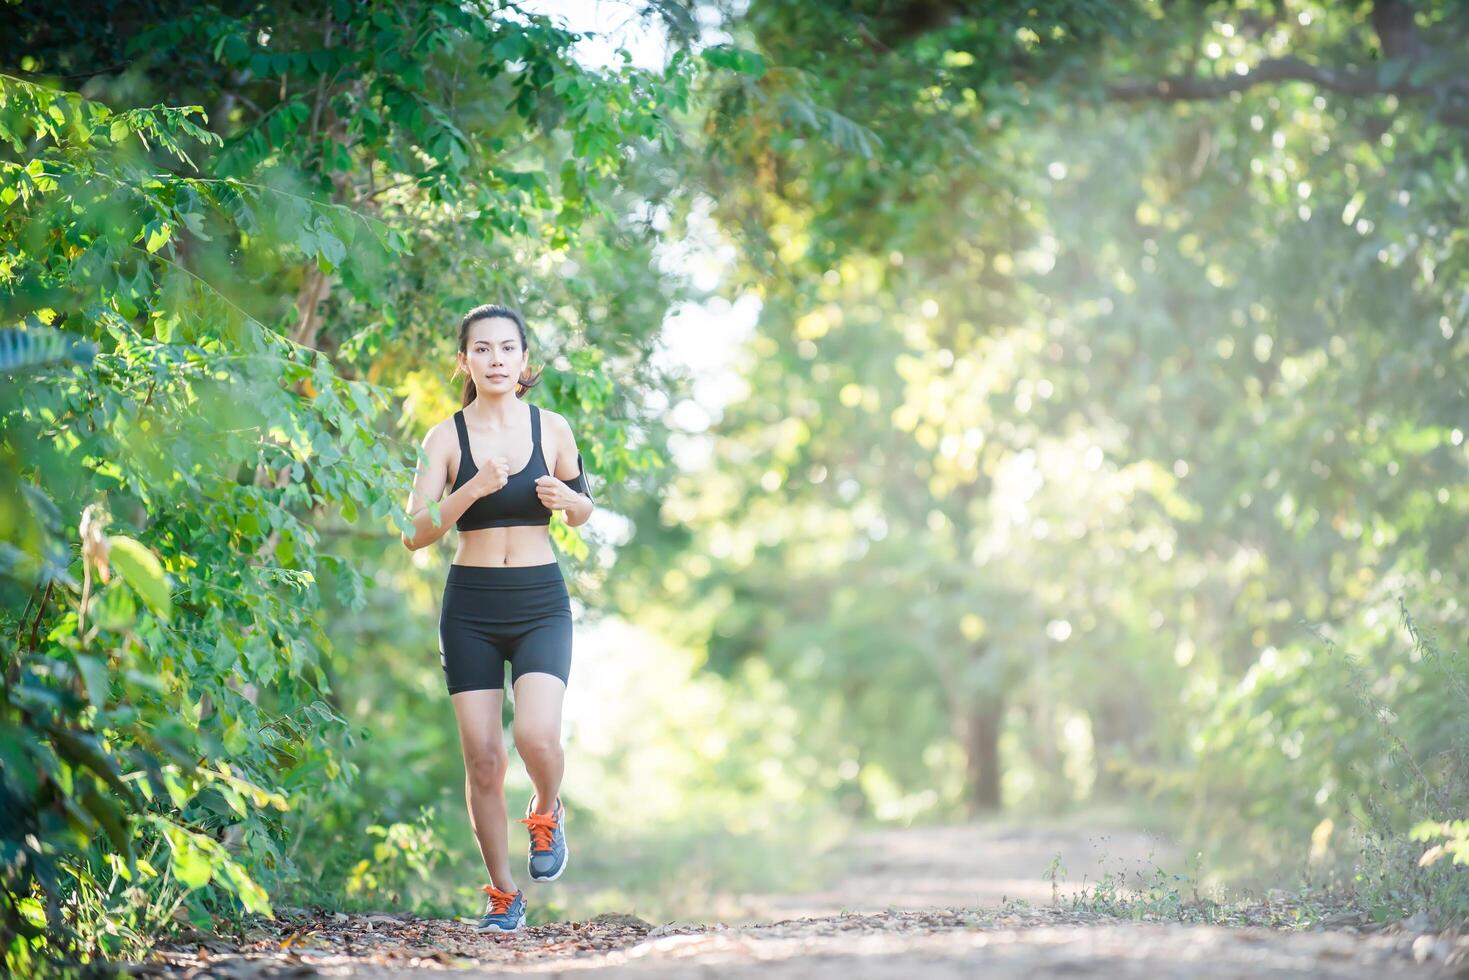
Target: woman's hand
(491, 477)
(554, 494)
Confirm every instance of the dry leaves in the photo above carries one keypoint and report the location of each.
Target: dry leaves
(1011, 940)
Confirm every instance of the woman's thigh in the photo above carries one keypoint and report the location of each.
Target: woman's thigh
(540, 668)
(538, 701)
(481, 735)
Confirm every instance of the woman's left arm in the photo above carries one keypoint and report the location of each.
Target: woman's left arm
(568, 488)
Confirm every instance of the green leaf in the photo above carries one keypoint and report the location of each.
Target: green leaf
(110, 815)
(190, 865)
(236, 738)
(141, 569)
(79, 749)
(510, 47)
(115, 609)
(156, 235)
(195, 222)
(735, 59)
(95, 676)
(254, 898)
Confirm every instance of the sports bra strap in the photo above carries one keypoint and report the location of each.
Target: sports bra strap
(535, 432)
(464, 453)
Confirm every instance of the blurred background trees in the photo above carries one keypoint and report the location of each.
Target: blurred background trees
(1099, 438)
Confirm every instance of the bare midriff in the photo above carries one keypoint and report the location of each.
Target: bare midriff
(523, 544)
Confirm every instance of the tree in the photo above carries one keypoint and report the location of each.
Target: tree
(1033, 307)
(246, 292)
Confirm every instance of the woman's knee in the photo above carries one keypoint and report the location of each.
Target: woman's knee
(537, 741)
(486, 768)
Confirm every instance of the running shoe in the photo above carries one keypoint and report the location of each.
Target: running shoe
(547, 857)
(504, 912)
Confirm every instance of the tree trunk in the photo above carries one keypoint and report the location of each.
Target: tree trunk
(1112, 732)
(982, 755)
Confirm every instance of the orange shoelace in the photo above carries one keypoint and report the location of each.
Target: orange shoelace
(542, 829)
(500, 901)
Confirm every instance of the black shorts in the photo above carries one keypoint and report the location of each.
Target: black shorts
(497, 613)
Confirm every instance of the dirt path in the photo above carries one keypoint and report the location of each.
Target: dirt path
(971, 866)
(896, 911)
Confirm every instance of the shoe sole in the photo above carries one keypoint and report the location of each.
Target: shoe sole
(565, 860)
(496, 928)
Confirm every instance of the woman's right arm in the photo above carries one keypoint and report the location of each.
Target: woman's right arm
(428, 484)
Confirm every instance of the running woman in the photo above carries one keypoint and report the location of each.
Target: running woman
(507, 464)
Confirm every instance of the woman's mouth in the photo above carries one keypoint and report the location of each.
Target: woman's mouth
(498, 377)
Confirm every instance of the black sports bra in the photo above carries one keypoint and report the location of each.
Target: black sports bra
(516, 502)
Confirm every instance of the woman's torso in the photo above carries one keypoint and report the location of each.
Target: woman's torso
(525, 543)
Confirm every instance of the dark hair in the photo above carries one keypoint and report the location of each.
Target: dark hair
(528, 379)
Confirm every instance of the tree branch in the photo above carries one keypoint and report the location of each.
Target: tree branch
(1178, 88)
(1448, 100)
(1404, 54)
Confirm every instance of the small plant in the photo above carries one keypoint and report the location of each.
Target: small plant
(404, 851)
(1055, 870)
(1164, 896)
(1398, 874)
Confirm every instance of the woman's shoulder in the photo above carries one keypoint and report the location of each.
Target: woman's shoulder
(441, 434)
(553, 418)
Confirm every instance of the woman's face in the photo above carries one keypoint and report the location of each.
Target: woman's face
(493, 356)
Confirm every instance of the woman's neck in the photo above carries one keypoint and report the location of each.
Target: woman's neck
(494, 411)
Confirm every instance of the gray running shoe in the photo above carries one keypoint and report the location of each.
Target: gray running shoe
(548, 850)
(504, 912)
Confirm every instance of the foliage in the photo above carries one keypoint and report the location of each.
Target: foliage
(207, 305)
(402, 849)
(1136, 344)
